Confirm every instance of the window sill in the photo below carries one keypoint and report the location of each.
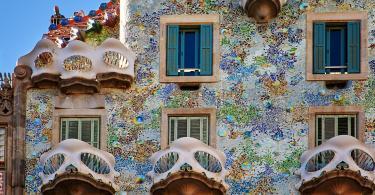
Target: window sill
(188, 79)
(336, 77)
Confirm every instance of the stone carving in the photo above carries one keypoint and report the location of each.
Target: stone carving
(262, 10)
(189, 154)
(341, 156)
(115, 59)
(73, 156)
(6, 94)
(77, 63)
(43, 60)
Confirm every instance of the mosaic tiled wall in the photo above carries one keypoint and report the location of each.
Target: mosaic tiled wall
(261, 100)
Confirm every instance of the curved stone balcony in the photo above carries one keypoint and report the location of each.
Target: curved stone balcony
(79, 67)
(262, 10)
(80, 166)
(341, 164)
(190, 164)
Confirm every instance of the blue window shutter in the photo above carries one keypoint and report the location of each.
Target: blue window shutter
(319, 48)
(206, 50)
(354, 47)
(172, 50)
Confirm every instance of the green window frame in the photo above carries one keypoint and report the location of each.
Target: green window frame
(84, 129)
(350, 52)
(176, 50)
(328, 126)
(188, 126)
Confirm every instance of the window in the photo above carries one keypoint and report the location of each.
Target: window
(2, 144)
(189, 50)
(337, 46)
(326, 122)
(329, 126)
(199, 123)
(189, 47)
(189, 126)
(85, 129)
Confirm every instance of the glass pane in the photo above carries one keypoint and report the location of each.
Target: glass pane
(205, 130)
(195, 128)
(86, 131)
(63, 130)
(190, 56)
(73, 130)
(329, 128)
(171, 129)
(343, 126)
(181, 128)
(335, 47)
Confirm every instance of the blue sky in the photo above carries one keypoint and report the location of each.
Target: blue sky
(24, 22)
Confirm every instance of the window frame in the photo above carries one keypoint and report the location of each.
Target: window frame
(80, 119)
(80, 113)
(335, 116)
(187, 112)
(3, 163)
(186, 20)
(337, 17)
(188, 133)
(335, 110)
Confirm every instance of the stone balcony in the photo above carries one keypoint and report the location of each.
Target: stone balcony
(79, 67)
(262, 10)
(74, 165)
(342, 164)
(188, 165)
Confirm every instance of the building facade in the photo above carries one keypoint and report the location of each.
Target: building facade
(277, 92)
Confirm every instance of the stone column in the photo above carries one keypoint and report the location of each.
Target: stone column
(22, 82)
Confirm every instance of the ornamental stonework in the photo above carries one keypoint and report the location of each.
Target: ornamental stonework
(77, 63)
(44, 60)
(6, 95)
(115, 59)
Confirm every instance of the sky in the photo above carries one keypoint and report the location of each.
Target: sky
(23, 23)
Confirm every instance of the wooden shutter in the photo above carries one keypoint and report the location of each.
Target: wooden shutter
(205, 130)
(354, 47)
(195, 128)
(96, 133)
(86, 131)
(329, 128)
(172, 50)
(206, 50)
(63, 130)
(182, 127)
(319, 48)
(72, 130)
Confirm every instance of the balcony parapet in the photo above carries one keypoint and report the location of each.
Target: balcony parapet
(79, 67)
(76, 160)
(340, 157)
(189, 158)
(262, 10)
